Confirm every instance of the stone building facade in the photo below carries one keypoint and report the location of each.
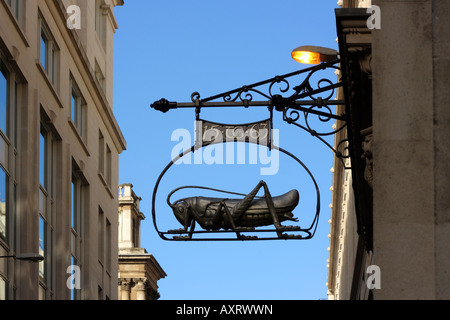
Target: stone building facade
(345, 240)
(59, 149)
(390, 215)
(139, 271)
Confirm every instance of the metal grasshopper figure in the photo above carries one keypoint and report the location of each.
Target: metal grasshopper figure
(238, 215)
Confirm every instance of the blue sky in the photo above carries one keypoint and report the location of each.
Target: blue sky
(171, 49)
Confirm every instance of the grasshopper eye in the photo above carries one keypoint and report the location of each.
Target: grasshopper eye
(181, 208)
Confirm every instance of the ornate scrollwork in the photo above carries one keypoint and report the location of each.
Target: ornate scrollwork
(299, 105)
(278, 80)
(244, 90)
(293, 107)
(292, 116)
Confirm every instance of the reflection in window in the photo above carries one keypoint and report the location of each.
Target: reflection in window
(108, 245)
(74, 204)
(44, 51)
(48, 52)
(42, 159)
(101, 153)
(2, 289)
(3, 204)
(108, 165)
(3, 99)
(101, 235)
(76, 225)
(73, 292)
(99, 75)
(100, 21)
(42, 248)
(47, 151)
(77, 108)
(15, 6)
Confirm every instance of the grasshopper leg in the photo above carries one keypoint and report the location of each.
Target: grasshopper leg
(273, 213)
(230, 217)
(240, 208)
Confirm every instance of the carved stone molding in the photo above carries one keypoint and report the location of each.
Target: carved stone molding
(365, 62)
(368, 155)
(126, 284)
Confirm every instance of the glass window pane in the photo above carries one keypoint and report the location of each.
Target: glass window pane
(17, 9)
(42, 159)
(73, 240)
(14, 113)
(74, 205)
(108, 165)
(74, 107)
(3, 99)
(41, 293)
(101, 153)
(101, 235)
(43, 50)
(52, 70)
(72, 291)
(2, 289)
(42, 203)
(42, 247)
(108, 245)
(3, 152)
(3, 204)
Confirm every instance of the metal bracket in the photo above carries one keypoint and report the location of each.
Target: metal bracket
(303, 102)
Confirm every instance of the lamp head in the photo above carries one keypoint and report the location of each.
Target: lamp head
(313, 54)
(30, 257)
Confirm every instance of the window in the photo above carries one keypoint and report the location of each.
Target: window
(4, 111)
(9, 101)
(101, 153)
(44, 170)
(101, 235)
(42, 248)
(108, 165)
(43, 158)
(77, 108)
(4, 105)
(77, 213)
(48, 53)
(47, 153)
(3, 204)
(99, 75)
(2, 289)
(108, 245)
(16, 7)
(100, 21)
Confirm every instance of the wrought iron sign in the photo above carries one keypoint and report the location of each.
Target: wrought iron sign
(239, 216)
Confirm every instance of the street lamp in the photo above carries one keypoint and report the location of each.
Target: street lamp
(314, 54)
(30, 257)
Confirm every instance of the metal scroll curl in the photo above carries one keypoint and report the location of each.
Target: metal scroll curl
(236, 216)
(292, 116)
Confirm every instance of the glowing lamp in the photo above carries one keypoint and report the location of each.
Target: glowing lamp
(313, 54)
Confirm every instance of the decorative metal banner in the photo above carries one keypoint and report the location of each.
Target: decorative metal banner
(240, 216)
(208, 132)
